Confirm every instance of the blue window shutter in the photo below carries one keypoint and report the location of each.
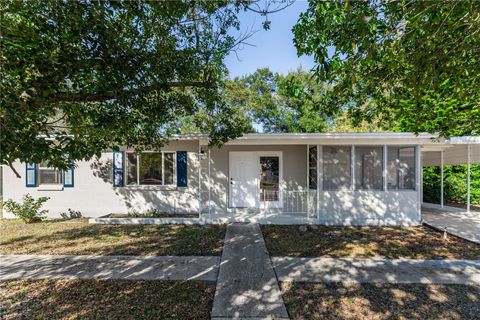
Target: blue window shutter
(68, 178)
(31, 175)
(118, 169)
(181, 168)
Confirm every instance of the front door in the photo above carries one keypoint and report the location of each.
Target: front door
(243, 180)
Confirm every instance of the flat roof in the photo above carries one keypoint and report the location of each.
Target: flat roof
(290, 138)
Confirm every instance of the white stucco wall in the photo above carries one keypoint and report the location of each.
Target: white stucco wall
(347, 207)
(94, 195)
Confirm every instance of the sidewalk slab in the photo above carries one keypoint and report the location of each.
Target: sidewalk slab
(109, 267)
(247, 286)
(377, 271)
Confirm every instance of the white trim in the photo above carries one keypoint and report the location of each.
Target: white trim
(308, 180)
(199, 159)
(468, 176)
(464, 140)
(319, 153)
(50, 187)
(418, 166)
(209, 183)
(385, 168)
(441, 179)
(352, 167)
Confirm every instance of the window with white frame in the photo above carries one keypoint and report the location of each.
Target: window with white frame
(401, 168)
(48, 175)
(368, 168)
(337, 173)
(151, 168)
(312, 167)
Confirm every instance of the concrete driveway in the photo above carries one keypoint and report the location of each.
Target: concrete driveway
(457, 221)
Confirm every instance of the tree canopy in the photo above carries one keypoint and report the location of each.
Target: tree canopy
(78, 77)
(413, 64)
(279, 103)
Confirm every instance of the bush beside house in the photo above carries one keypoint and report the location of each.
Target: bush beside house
(455, 184)
(28, 209)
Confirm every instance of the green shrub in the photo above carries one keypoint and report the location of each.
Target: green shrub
(71, 214)
(454, 184)
(150, 213)
(28, 210)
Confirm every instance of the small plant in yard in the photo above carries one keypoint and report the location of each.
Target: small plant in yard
(71, 214)
(28, 209)
(150, 213)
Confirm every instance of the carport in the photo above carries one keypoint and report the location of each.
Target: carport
(457, 150)
(460, 222)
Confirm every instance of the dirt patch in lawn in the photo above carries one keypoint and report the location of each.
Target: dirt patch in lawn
(105, 299)
(418, 242)
(381, 301)
(77, 237)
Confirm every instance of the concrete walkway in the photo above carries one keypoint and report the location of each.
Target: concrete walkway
(457, 221)
(384, 271)
(108, 267)
(247, 286)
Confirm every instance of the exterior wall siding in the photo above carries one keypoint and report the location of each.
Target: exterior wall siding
(94, 195)
(368, 207)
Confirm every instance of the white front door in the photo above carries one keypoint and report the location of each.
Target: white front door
(243, 180)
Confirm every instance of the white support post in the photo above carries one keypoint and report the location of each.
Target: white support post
(209, 184)
(319, 178)
(352, 168)
(199, 157)
(421, 177)
(385, 168)
(468, 177)
(418, 170)
(308, 181)
(441, 179)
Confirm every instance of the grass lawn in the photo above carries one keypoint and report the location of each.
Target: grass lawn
(418, 242)
(381, 301)
(77, 237)
(105, 299)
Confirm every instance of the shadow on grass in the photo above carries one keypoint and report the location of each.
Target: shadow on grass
(106, 299)
(73, 238)
(381, 301)
(419, 242)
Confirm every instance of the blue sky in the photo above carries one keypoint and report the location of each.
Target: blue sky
(272, 48)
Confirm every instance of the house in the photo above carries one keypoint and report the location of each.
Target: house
(326, 178)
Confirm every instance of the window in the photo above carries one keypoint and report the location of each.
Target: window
(401, 168)
(151, 168)
(48, 175)
(336, 167)
(269, 178)
(368, 168)
(312, 168)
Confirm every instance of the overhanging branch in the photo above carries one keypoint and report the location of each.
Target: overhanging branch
(108, 95)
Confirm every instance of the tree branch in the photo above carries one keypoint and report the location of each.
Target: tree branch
(108, 95)
(14, 170)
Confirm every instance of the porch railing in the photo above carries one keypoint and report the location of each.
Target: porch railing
(299, 203)
(294, 203)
